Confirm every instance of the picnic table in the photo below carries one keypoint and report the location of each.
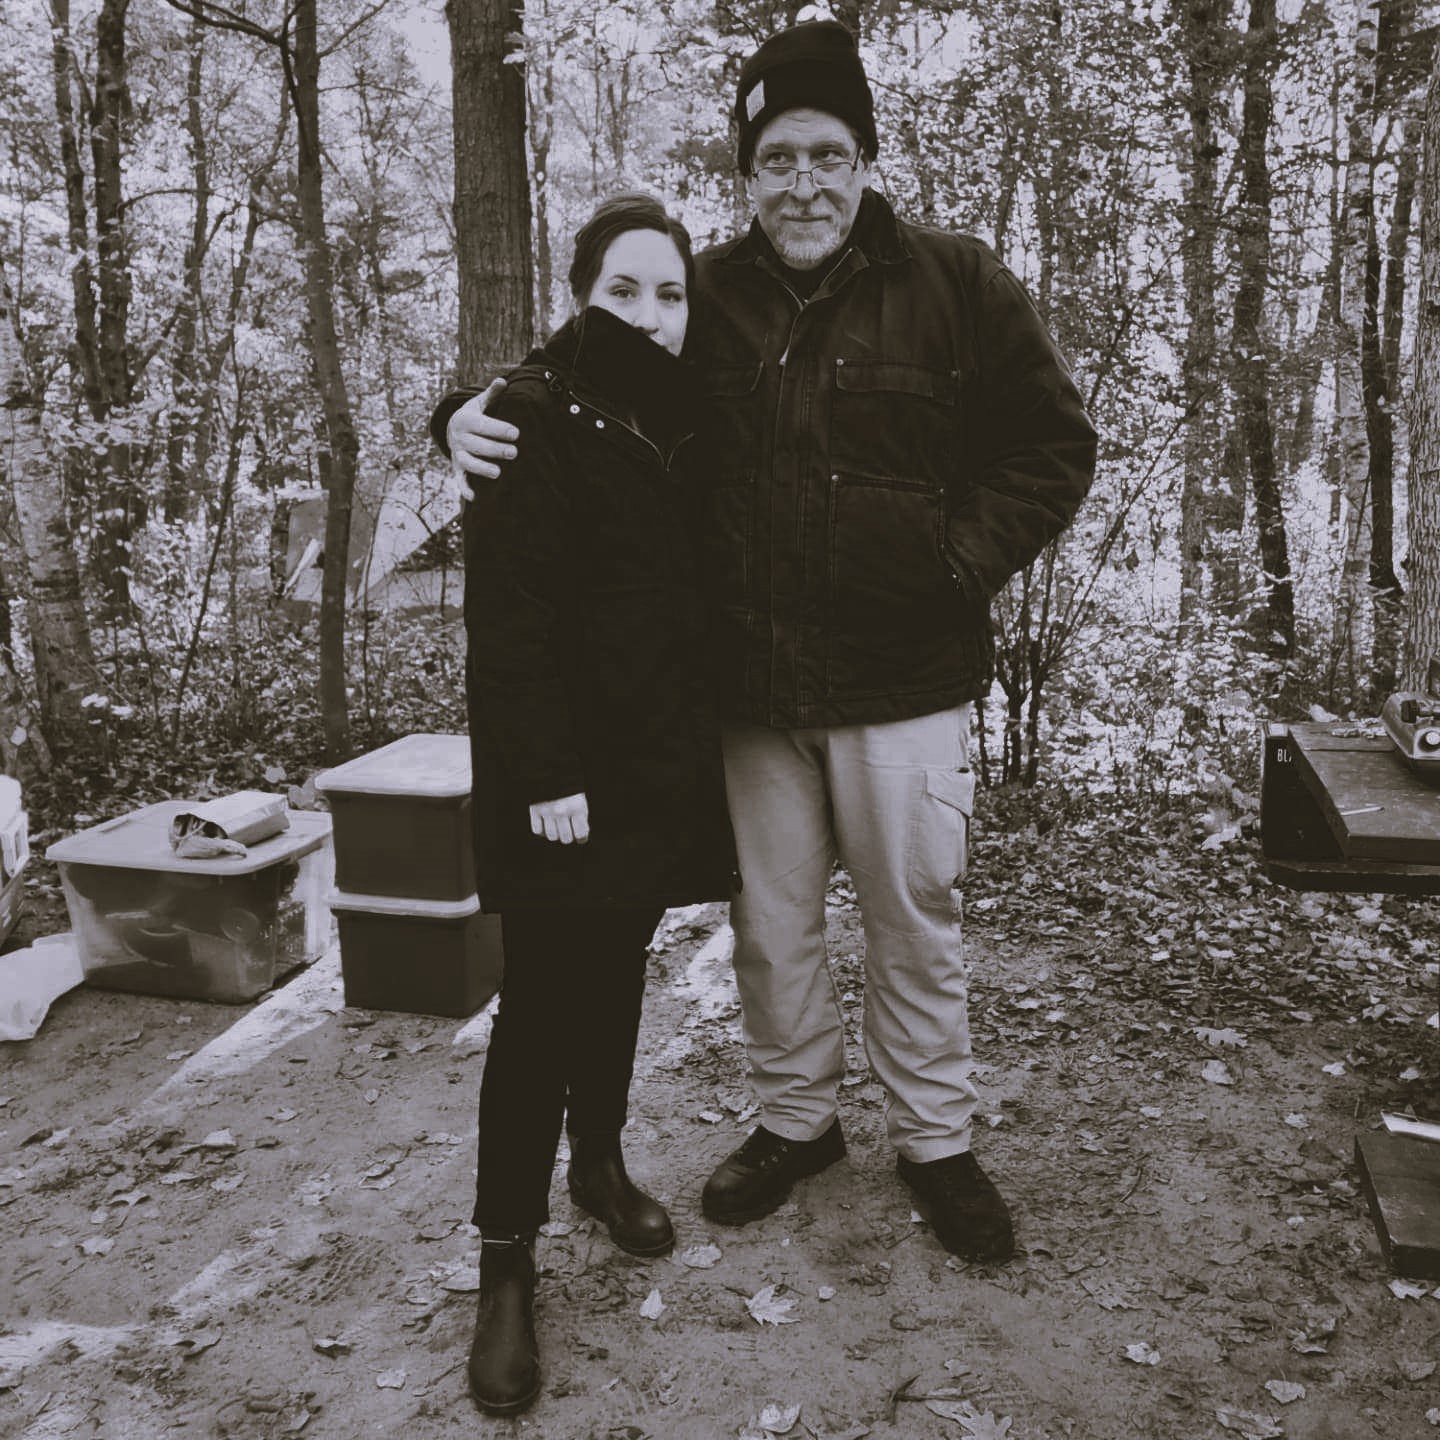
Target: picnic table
(1340, 810)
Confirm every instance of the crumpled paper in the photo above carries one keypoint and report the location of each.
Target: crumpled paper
(225, 826)
(199, 846)
(31, 980)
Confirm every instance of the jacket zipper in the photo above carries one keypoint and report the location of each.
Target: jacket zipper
(665, 460)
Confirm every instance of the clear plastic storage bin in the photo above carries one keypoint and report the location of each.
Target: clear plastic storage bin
(217, 929)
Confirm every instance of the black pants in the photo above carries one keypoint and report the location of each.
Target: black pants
(562, 1049)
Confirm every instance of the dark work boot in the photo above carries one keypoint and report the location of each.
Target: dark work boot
(757, 1177)
(600, 1187)
(966, 1211)
(504, 1357)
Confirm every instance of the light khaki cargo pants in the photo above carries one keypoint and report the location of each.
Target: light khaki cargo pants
(893, 803)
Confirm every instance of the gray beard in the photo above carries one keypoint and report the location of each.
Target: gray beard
(802, 255)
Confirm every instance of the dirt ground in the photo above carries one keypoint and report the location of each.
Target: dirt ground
(251, 1221)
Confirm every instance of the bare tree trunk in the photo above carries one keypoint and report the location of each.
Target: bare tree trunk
(120, 506)
(492, 188)
(540, 96)
(86, 351)
(1389, 594)
(1204, 24)
(1422, 637)
(1275, 624)
(340, 459)
(182, 430)
(1358, 246)
(59, 630)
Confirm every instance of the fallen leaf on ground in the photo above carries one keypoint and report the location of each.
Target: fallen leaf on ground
(1416, 1370)
(1408, 1290)
(1286, 1391)
(178, 1177)
(1217, 1072)
(766, 1309)
(700, 1257)
(390, 1380)
(283, 1114)
(1251, 1425)
(1220, 1037)
(195, 1342)
(462, 1278)
(653, 1306)
(1338, 1068)
(1297, 1121)
(97, 1245)
(554, 1229)
(826, 1292)
(328, 1345)
(1142, 1354)
(777, 1419)
(218, 1140)
(1110, 1293)
(977, 1424)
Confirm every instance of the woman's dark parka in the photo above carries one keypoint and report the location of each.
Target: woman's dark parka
(587, 665)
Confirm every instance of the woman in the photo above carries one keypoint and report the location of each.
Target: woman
(598, 790)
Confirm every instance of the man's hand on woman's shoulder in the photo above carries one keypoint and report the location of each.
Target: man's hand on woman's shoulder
(478, 442)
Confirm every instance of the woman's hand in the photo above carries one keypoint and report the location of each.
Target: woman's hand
(566, 820)
(478, 444)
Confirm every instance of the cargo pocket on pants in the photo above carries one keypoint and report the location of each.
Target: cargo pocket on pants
(940, 837)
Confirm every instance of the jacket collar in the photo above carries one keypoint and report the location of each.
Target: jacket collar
(875, 234)
(615, 367)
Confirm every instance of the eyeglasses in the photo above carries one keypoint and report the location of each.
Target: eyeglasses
(824, 176)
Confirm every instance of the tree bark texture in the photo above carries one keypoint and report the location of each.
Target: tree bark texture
(46, 573)
(1384, 328)
(119, 505)
(1203, 23)
(1356, 352)
(182, 442)
(492, 188)
(1422, 636)
(540, 97)
(86, 351)
(340, 456)
(1250, 373)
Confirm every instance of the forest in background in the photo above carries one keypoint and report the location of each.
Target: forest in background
(240, 263)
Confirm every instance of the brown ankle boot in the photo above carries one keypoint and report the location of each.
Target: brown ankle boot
(504, 1357)
(599, 1185)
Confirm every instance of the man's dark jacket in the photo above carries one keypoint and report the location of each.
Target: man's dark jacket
(586, 626)
(882, 458)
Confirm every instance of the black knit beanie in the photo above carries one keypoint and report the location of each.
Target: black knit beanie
(813, 66)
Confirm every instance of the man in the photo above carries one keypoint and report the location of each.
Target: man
(895, 434)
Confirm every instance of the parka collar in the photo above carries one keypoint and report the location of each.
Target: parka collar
(618, 368)
(875, 234)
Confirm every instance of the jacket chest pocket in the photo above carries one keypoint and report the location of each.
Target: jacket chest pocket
(731, 430)
(894, 419)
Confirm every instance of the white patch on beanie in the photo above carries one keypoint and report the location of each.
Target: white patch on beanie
(755, 101)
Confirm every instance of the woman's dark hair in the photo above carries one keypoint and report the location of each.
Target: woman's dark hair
(613, 218)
